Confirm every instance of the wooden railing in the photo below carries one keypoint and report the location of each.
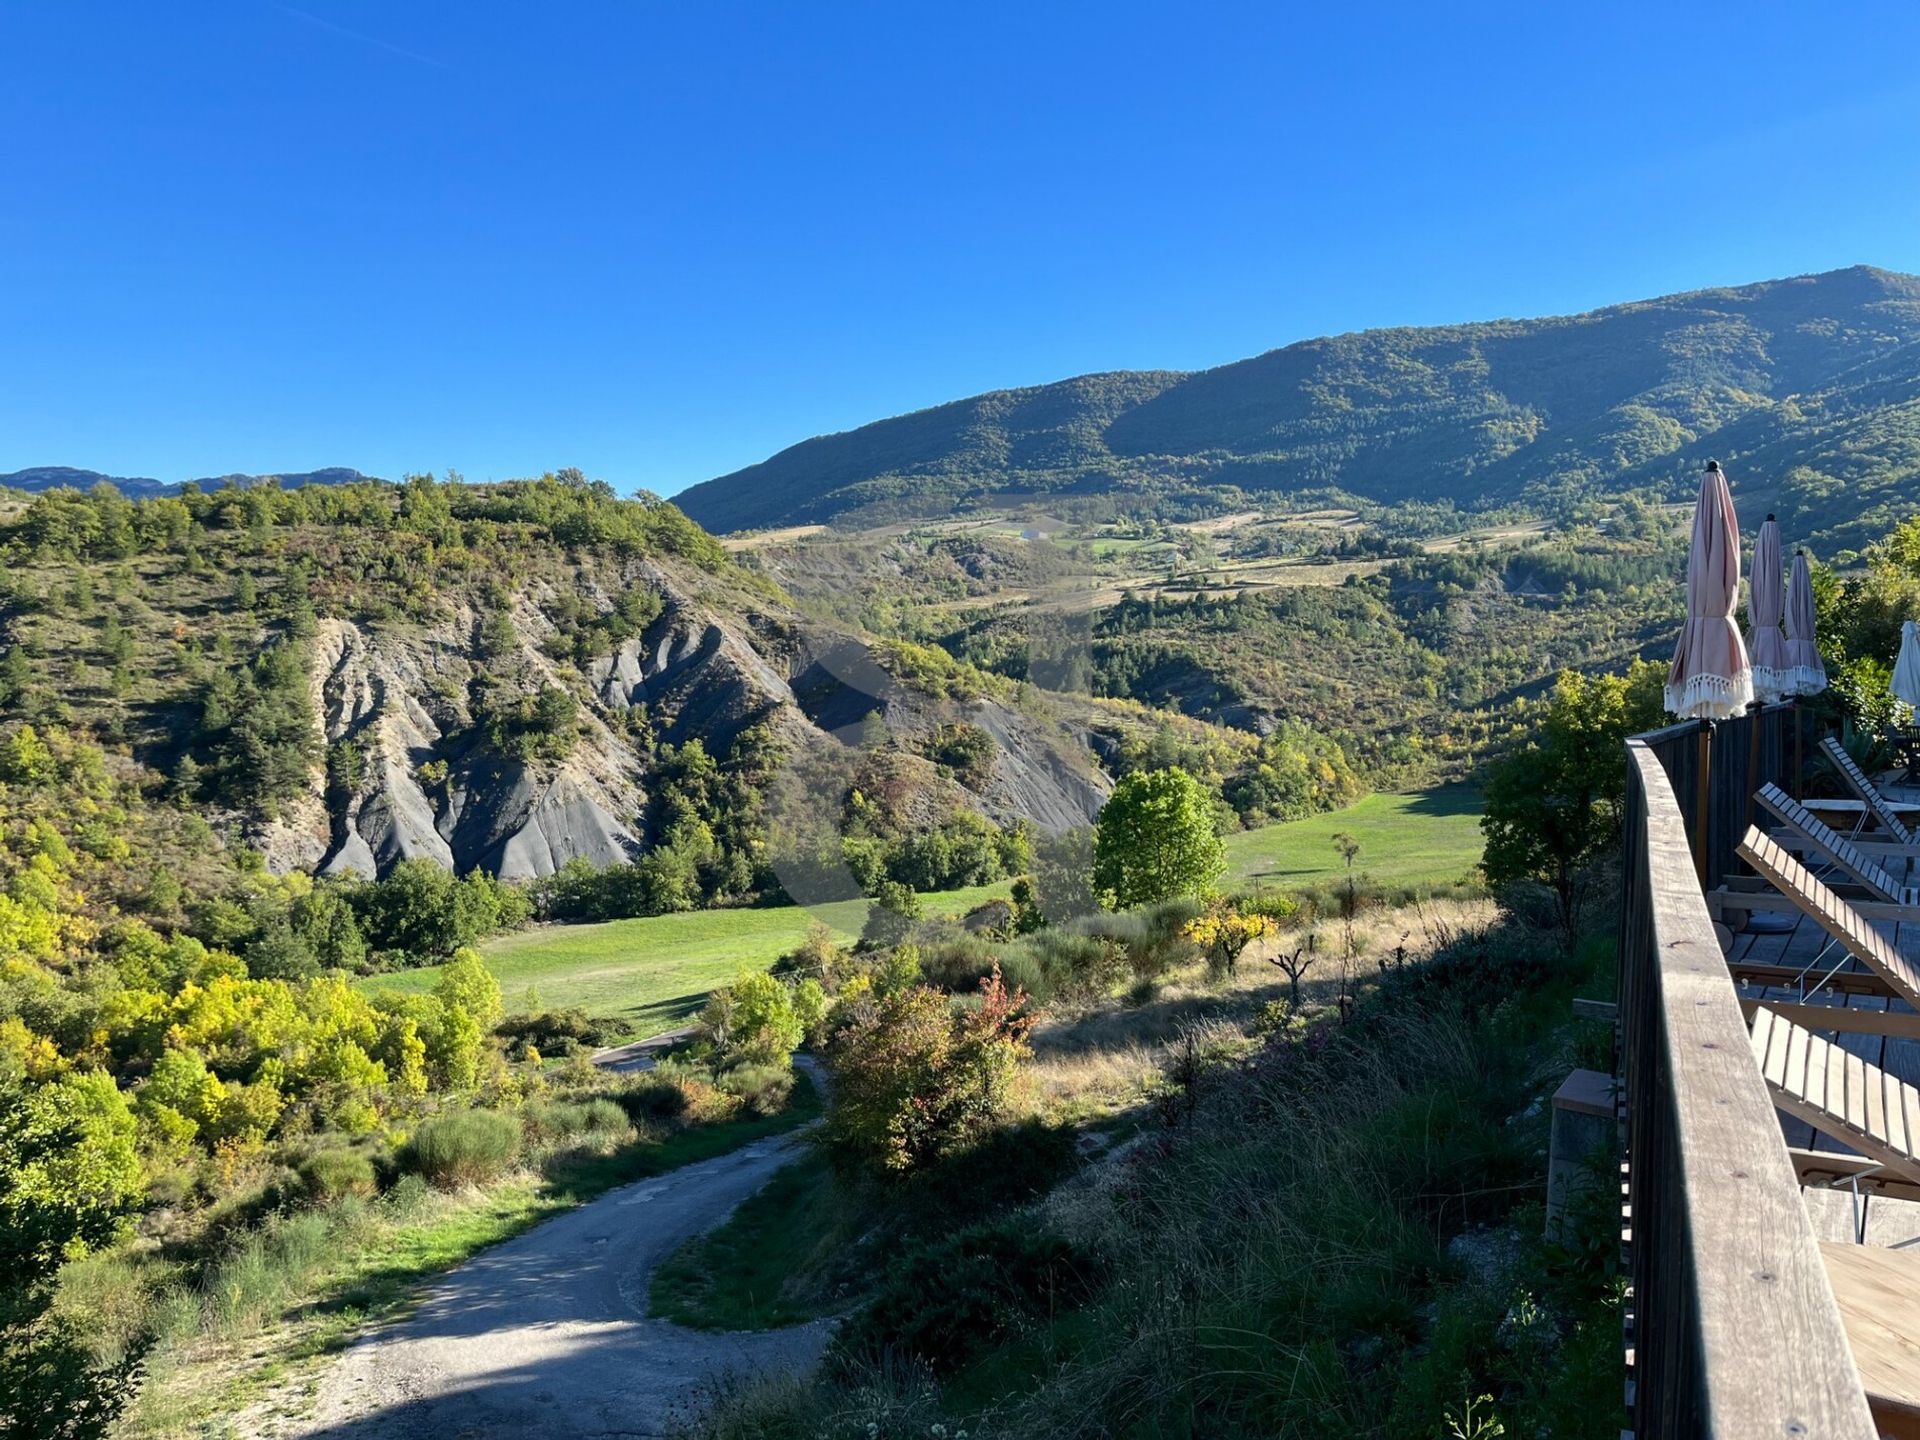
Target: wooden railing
(1715, 768)
(1733, 1331)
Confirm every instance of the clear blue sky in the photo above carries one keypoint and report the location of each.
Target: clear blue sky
(660, 241)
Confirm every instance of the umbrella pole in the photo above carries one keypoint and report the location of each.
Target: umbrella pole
(1799, 763)
(1753, 761)
(1700, 808)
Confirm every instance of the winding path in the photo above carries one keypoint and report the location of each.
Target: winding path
(547, 1334)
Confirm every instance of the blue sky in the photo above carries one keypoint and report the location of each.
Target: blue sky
(662, 241)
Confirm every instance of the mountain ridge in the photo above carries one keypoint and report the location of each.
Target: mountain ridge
(1628, 395)
(36, 479)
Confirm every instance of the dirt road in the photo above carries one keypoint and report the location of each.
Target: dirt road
(547, 1335)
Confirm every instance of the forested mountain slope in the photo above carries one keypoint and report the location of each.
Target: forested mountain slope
(503, 677)
(1804, 386)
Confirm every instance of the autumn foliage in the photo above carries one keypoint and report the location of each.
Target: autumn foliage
(918, 1078)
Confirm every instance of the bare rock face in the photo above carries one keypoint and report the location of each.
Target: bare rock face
(1037, 776)
(430, 788)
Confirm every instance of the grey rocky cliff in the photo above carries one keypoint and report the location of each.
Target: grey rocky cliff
(428, 790)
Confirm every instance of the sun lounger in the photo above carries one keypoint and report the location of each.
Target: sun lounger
(1868, 793)
(1849, 929)
(1838, 1093)
(1822, 837)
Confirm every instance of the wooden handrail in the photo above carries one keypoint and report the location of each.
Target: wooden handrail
(1735, 1332)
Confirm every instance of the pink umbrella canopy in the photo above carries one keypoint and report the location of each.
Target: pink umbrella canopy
(1804, 668)
(1766, 606)
(1711, 678)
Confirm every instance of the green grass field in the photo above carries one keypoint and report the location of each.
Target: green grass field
(1428, 837)
(651, 974)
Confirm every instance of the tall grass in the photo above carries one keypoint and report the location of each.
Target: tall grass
(1331, 1233)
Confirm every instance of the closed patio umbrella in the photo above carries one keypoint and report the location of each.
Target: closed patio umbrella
(1805, 671)
(1906, 670)
(1766, 605)
(1711, 678)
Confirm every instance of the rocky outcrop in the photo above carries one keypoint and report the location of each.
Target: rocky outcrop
(396, 700)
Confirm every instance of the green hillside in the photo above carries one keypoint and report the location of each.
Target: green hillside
(1791, 373)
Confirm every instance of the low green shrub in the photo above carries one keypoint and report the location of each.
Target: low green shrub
(1073, 966)
(654, 1099)
(329, 1175)
(1011, 1165)
(464, 1147)
(553, 1032)
(761, 1089)
(551, 1121)
(262, 1272)
(958, 962)
(947, 1303)
(604, 1117)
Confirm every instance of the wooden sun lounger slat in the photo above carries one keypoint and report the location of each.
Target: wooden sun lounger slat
(1845, 1099)
(1876, 1120)
(1831, 843)
(1910, 1110)
(1796, 1071)
(1775, 1064)
(1862, 786)
(1832, 913)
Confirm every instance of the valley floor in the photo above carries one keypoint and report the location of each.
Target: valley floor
(651, 974)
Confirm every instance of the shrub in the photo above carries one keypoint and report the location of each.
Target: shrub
(552, 1032)
(762, 1089)
(752, 1022)
(917, 1078)
(958, 962)
(550, 1121)
(554, 1121)
(946, 1303)
(332, 1174)
(652, 1098)
(1008, 1166)
(1076, 967)
(604, 1117)
(464, 1147)
(264, 1272)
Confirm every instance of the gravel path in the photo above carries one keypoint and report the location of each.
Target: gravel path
(547, 1334)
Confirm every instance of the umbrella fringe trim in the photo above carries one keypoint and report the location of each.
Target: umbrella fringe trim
(1772, 683)
(1808, 679)
(1710, 697)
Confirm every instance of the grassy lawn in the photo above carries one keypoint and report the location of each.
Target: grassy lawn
(1428, 837)
(651, 974)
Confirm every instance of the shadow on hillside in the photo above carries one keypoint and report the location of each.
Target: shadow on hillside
(1447, 800)
(1159, 1021)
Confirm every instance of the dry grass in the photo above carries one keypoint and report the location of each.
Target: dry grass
(1104, 1059)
